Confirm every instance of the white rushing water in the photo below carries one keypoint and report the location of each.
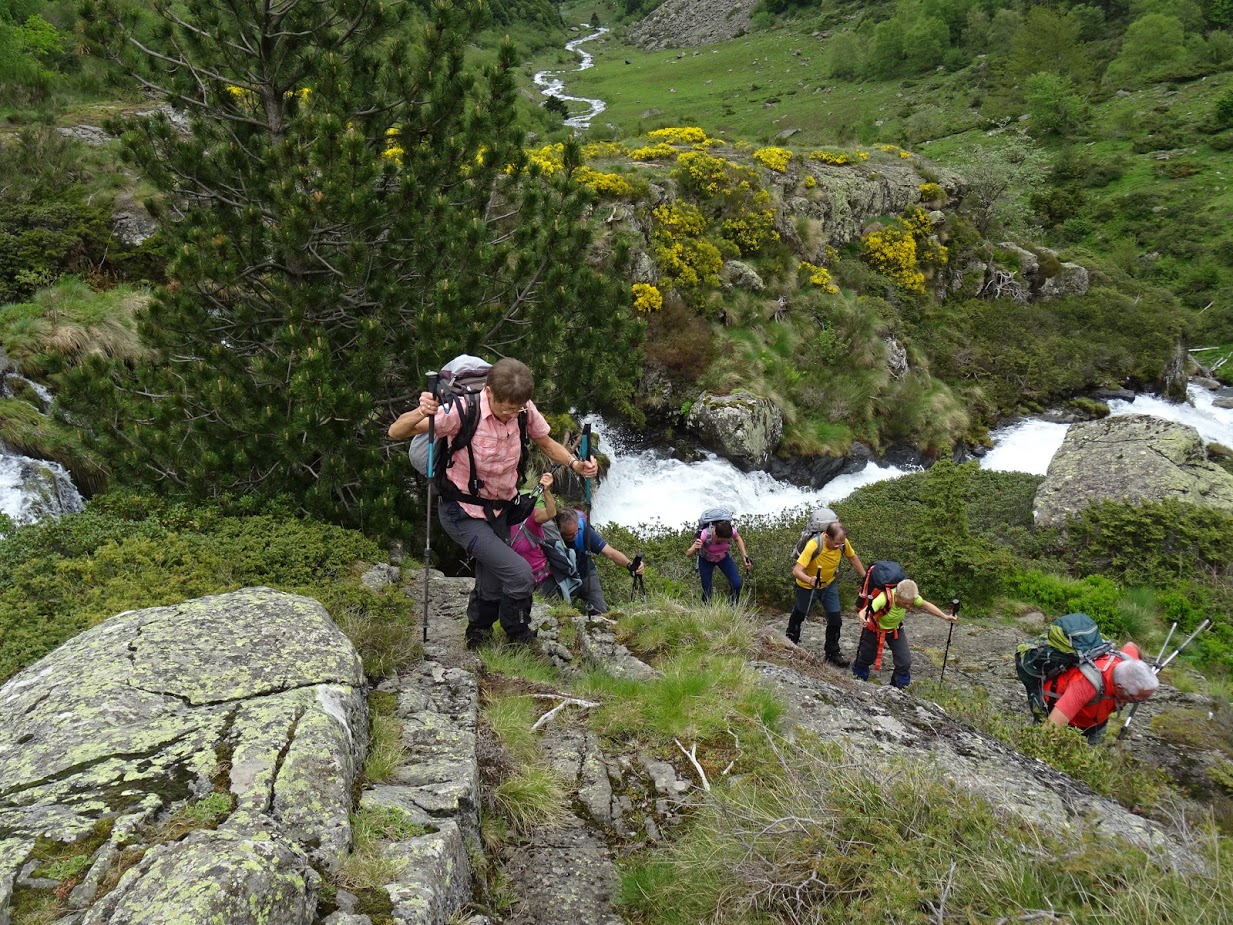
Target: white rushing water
(551, 84)
(1029, 445)
(647, 489)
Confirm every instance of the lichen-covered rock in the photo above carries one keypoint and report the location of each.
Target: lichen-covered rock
(741, 427)
(215, 876)
(1070, 280)
(739, 275)
(848, 197)
(252, 700)
(1130, 458)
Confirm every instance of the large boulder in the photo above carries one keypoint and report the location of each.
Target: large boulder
(741, 427)
(237, 720)
(1130, 458)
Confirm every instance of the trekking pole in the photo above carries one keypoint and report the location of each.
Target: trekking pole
(432, 440)
(954, 612)
(639, 587)
(585, 450)
(1160, 666)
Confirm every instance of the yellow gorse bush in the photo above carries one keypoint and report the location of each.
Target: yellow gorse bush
(657, 152)
(647, 298)
(892, 252)
(930, 192)
(605, 184)
(775, 159)
(679, 135)
(602, 150)
(679, 219)
(819, 276)
(838, 158)
(748, 213)
(549, 159)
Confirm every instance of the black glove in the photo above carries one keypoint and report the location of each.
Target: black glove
(748, 562)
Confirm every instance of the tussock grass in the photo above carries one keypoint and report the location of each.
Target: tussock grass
(72, 320)
(533, 799)
(518, 661)
(385, 751)
(368, 868)
(836, 838)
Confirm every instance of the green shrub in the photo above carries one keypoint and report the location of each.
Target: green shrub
(128, 552)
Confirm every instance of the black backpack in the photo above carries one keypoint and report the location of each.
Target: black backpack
(461, 380)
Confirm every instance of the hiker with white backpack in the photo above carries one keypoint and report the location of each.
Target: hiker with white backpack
(714, 537)
(478, 489)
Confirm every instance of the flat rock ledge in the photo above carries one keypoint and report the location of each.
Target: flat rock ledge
(194, 763)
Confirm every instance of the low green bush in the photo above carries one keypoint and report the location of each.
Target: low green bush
(127, 552)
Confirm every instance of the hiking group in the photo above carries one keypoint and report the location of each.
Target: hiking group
(527, 543)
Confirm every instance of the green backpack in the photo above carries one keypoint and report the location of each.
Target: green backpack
(1070, 641)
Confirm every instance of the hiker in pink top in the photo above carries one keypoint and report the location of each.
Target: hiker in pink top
(477, 511)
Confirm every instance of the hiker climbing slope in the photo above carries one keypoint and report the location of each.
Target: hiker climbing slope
(586, 542)
(815, 570)
(1124, 678)
(711, 545)
(480, 487)
(884, 617)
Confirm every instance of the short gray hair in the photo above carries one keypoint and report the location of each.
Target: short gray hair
(907, 589)
(1134, 677)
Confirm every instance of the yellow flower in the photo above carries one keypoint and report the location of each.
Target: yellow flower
(775, 159)
(819, 276)
(681, 135)
(606, 184)
(647, 298)
(653, 152)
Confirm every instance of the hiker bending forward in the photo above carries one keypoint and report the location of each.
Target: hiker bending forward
(1126, 679)
(814, 572)
(711, 548)
(585, 541)
(885, 625)
(479, 523)
(529, 536)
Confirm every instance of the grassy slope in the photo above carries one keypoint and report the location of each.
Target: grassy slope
(756, 86)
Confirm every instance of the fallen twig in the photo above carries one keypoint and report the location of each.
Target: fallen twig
(566, 702)
(692, 755)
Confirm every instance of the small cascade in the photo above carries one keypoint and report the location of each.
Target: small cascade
(33, 489)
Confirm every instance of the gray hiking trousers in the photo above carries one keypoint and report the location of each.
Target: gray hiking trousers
(503, 579)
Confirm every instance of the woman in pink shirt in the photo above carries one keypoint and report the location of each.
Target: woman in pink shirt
(475, 512)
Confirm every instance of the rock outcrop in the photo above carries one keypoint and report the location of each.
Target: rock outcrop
(847, 197)
(239, 719)
(741, 427)
(686, 23)
(1130, 458)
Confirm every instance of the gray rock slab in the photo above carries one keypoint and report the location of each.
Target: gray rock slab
(436, 879)
(211, 877)
(257, 689)
(564, 877)
(741, 427)
(1132, 458)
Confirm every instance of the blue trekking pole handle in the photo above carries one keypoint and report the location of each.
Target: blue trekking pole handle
(585, 450)
(432, 435)
(432, 378)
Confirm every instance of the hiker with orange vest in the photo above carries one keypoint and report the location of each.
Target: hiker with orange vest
(1124, 678)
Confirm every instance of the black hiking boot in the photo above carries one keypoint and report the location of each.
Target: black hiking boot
(478, 638)
(836, 658)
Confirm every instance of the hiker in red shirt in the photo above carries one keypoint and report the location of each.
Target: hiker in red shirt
(1125, 679)
(480, 524)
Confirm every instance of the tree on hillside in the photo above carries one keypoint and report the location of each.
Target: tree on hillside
(1049, 41)
(1149, 45)
(351, 208)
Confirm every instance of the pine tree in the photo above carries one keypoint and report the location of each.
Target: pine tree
(351, 208)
